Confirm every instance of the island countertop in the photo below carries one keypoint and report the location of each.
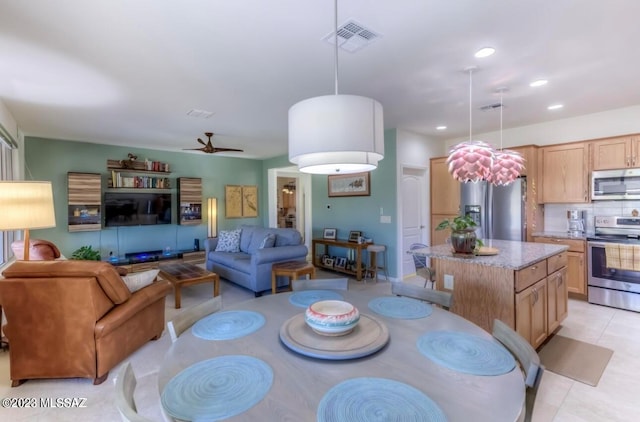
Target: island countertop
(511, 254)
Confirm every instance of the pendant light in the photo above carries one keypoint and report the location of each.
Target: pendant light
(336, 134)
(507, 164)
(470, 161)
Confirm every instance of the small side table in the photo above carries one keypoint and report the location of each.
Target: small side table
(292, 269)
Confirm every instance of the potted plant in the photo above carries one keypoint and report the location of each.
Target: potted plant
(86, 253)
(463, 234)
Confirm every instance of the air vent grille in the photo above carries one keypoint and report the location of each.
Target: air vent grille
(200, 114)
(490, 107)
(352, 36)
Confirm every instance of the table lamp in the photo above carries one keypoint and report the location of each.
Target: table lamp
(26, 205)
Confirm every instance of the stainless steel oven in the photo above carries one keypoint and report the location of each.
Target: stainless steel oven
(609, 284)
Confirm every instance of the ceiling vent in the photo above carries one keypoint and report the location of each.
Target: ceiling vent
(490, 107)
(352, 36)
(200, 114)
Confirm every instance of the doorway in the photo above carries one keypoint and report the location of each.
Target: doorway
(415, 212)
(297, 213)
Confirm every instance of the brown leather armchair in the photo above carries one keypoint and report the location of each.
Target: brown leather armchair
(75, 319)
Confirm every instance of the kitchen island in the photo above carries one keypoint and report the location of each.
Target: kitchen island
(524, 285)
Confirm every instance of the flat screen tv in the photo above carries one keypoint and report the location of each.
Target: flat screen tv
(136, 208)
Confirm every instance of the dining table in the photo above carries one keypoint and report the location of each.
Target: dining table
(304, 376)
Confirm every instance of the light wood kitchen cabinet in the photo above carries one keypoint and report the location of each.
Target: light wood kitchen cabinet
(438, 237)
(557, 302)
(615, 153)
(576, 264)
(445, 198)
(531, 313)
(563, 171)
(445, 190)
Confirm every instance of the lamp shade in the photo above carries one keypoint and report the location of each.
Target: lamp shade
(212, 205)
(336, 134)
(26, 205)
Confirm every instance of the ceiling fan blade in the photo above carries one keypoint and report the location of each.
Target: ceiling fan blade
(202, 142)
(194, 149)
(227, 149)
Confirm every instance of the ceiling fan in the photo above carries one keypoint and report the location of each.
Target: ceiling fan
(209, 148)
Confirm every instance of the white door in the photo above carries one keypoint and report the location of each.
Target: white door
(414, 214)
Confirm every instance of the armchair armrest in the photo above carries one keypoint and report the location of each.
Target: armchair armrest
(210, 244)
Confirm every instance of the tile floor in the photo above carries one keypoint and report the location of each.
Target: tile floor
(560, 399)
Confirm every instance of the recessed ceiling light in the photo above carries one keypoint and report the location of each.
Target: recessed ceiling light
(555, 107)
(441, 127)
(538, 82)
(484, 52)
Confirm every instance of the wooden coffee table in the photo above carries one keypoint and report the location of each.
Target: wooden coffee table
(181, 274)
(291, 269)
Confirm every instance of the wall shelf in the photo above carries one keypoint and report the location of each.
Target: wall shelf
(84, 209)
(190, 200)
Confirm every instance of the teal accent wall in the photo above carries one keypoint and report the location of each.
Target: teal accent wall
(362, 212)
(48, 159)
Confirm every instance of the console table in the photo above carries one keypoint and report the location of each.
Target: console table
(357, 247)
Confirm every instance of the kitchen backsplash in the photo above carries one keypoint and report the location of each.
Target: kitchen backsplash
(555, 215)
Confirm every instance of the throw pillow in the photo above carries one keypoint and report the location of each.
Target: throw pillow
(229, 241)
(137, 281)
(268, 241)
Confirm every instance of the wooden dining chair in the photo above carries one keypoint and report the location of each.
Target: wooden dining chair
(125, 387)
(321, 284)
(444, 299)
(189, 316)
(528, 359)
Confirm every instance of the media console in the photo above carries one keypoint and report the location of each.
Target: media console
(146, 260)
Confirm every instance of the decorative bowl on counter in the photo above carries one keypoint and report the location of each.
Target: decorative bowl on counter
(332, 317)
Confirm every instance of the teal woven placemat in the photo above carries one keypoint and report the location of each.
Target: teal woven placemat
(466, 353)
(217, 388)
(377, 400)
(228, 325)
(400, 307)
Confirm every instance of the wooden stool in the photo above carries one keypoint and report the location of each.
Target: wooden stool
(374, 261)
(292, 269)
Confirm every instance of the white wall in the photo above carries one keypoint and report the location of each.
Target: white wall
(622, 121)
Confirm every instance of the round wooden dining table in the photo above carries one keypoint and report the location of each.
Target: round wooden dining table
(300, 381)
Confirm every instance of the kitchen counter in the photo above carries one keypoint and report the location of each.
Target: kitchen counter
(512, 255)
(524, 285)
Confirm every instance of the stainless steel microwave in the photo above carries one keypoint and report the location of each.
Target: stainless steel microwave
(611, 185)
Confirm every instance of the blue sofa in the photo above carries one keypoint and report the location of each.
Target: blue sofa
(251, 267)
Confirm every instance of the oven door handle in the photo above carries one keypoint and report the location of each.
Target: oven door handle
(598, 244)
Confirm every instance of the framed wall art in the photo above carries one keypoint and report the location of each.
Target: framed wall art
(329, 234)
(233, 201)
(241, 201)
(355, 184)
(354, 235)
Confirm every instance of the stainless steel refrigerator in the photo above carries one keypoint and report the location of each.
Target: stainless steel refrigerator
(499, 211)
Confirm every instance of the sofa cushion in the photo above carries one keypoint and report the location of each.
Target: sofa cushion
(137, 281)
(238, 261)
(246, 236)
(288, 237)
(229, 241)
(268, 241)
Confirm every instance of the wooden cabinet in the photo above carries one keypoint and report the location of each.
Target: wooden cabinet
(557, 304)
(190, 199)
(532, 300)
(531, 313)
(84, 192)
(563, 171)
(615, 153)
(445, 198)
(445, 190)
(576, 264)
